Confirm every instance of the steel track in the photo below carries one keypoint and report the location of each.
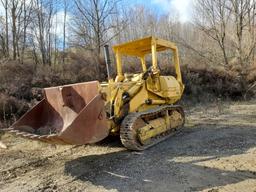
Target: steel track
(128, 133)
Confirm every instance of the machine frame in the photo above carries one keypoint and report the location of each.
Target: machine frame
(142, 47)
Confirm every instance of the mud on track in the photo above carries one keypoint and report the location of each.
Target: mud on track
(215, 152)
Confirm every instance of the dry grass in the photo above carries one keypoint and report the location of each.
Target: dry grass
(20, 84)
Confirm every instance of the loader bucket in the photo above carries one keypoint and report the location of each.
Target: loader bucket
(70, 114)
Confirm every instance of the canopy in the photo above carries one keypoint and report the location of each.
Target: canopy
(143, 46)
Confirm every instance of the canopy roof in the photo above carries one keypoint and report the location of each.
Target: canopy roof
(142, 47)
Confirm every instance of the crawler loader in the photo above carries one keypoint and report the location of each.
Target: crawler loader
(138, 107)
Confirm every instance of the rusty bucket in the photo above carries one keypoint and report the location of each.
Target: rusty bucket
(69, 114)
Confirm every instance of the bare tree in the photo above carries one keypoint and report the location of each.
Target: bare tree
(64, 29)
(42, 26)
(241, 10)
(27, 7)
(2, 39)
(93, 23)
(212, 18)
(252, 30)
(6, 43)
(16, 11)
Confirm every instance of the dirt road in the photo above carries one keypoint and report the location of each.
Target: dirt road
(215, 152)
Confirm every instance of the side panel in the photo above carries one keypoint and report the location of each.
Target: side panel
(166, 87)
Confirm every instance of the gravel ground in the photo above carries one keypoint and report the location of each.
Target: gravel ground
(216, 151)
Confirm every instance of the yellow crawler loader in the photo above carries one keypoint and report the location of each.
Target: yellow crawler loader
(139, 107)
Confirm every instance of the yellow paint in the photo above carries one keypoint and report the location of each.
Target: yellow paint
(143, 63)
(159, 125)
(119, 76)
(160, 90)
(154, 54)
(155, 127)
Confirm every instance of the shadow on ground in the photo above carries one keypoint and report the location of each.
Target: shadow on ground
(156, 170)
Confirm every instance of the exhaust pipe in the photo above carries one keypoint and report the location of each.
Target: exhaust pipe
(107, 60)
